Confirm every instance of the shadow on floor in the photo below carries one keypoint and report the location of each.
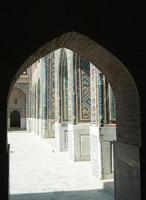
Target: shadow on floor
(65, 195)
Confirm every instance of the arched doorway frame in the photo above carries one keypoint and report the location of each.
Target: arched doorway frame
(21, 109)
(127, 106)
(18, 122)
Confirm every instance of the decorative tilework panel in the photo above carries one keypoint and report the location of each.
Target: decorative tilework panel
(84, 90)
(51, 86)
(64, 86)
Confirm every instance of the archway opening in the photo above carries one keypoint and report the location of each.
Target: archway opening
(17, 102)
(128, 121)
(15, 119)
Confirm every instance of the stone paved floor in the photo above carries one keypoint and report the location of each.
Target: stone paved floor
(37, 172)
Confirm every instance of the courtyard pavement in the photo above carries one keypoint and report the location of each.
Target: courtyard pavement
(39, 172)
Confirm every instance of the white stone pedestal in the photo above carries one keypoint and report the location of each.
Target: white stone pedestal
(79, 141)
(37, 126)
(23, 124)
(51, 128)
(95, 151)
(29, 124)
(44, 125)
(61, 136)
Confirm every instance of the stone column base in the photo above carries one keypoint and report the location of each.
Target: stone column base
(23, 123)
(79, 141)
(29, 124)
(61, 136)
(95, 151)
(44, 125)
(51, 128)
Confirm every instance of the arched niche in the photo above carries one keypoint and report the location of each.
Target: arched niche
(15, 119)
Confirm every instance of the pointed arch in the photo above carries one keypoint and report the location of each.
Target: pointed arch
(121, 81)
(128, 122)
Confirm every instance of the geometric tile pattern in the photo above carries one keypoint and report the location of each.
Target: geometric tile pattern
(94, 94)
(110, 104)
(84, 90)
(51, 86)
(64, 83)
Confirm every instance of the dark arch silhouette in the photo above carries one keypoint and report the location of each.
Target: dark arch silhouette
(128, 121)
(15, 119)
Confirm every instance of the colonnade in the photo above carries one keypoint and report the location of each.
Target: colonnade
(71, 101)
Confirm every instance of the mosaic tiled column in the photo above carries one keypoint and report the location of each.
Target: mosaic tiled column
(83, 110)
(31, 98)
(29, 120)
(44, 81)
(71, 92)
(100, 98)
(79, 107)
(51, 95)
(33, 103)
(57, 54)
(95, 121)
(71, 103)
